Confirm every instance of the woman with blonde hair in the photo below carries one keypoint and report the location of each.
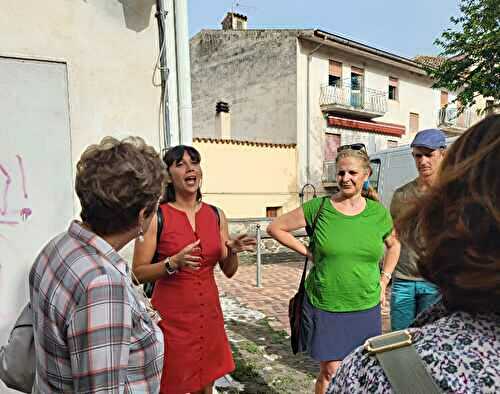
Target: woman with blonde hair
(455, 231)
(345, 287)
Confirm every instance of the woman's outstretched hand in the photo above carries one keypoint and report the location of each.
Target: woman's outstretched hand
(241, 243)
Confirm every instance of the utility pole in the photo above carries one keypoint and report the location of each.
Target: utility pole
(183, 73)
(175, 67)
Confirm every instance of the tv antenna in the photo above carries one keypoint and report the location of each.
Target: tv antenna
(237, 4)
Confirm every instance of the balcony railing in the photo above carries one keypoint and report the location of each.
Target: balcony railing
(347, 97)
(451, 119)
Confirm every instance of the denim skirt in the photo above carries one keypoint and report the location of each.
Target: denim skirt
(331, 336)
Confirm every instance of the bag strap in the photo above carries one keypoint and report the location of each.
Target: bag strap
(401, 363)
(216, 210)
(311, 240)
(159, 230)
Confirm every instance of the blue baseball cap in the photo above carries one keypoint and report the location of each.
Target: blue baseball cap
(429, 138)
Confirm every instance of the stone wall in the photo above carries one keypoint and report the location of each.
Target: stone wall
(271, 250)
(254, 71)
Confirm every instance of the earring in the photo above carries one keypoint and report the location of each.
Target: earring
(140, 237)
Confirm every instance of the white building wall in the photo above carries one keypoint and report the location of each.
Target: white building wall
(107, 50)
(415, 95)
(110, 48)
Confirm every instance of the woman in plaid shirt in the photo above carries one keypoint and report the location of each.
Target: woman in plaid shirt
(92, 333)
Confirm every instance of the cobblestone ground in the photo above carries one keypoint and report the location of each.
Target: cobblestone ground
(279, 283)
(257, 327)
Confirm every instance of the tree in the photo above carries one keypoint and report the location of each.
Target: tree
(472, 53)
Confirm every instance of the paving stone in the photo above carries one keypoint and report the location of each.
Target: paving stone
(279, 283)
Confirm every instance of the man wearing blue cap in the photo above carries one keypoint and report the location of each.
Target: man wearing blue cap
(411, 294)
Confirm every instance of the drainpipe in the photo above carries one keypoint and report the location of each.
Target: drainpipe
(308, 99)
(183, 73)
(161, 14)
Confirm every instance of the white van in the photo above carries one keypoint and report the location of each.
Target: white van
(392, 168)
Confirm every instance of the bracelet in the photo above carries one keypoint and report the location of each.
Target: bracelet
(230, 250)
(386, 274)
(168, 267)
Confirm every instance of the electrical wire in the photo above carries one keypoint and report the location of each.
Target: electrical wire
(164, 96)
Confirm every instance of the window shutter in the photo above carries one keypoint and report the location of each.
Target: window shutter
(444, 99)
(335, 68)
(356, 70)
(332, 142)
(413, 123)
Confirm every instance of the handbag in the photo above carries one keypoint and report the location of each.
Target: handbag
(296, 303)
(17, 358)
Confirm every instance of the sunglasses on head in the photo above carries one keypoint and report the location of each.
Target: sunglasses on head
(356, 146)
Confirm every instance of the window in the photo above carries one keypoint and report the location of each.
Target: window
(444, 99)
(335, 73)
(392, 143)
(375, 165)
(272, 212)
(393, 88)
(332, 142)
(357, 87)
(413, 123)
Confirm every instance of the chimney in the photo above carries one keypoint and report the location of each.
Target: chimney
(222, 121)
(234, 21)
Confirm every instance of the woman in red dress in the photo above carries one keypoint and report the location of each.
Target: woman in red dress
(194, 239)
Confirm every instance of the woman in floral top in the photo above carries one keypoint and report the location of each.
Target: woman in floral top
(458, 232)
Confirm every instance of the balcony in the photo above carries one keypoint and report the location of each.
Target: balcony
(346, 98)
(451, 121)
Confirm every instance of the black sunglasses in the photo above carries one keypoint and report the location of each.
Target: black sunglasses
(356, 146)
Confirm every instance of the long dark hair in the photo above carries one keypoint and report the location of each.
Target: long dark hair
(173, 156)
(455, 228)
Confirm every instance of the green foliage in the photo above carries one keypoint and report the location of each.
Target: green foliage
(472, 50)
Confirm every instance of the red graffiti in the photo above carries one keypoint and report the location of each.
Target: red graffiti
(24, 212)
(23, 175)
(8, 180)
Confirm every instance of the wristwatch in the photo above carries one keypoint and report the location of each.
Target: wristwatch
(168, 267)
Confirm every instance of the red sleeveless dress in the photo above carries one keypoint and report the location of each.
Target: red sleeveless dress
(197, 351)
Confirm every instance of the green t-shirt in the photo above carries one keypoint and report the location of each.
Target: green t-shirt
(345, 275)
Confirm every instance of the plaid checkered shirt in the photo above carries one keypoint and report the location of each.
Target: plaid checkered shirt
(92, 332)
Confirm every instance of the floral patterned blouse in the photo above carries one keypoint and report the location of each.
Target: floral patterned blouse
(460, 350)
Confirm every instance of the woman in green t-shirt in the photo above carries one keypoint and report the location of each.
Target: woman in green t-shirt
(345, 287)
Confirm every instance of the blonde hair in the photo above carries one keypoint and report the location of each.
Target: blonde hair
(362, 156)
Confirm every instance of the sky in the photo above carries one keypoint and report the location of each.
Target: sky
(405, 27)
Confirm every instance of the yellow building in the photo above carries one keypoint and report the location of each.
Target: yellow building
(248, 179)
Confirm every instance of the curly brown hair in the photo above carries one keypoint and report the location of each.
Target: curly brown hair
(115, 180)
(455, 228)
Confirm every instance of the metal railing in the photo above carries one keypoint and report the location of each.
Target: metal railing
(450, 117)
(258, 273)
(354, 96)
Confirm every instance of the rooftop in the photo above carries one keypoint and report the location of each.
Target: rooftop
(430, 61)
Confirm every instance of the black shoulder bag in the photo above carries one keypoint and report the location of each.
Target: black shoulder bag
(150, 286)
(296, 303)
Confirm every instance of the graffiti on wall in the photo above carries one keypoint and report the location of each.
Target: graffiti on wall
(14, 199)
